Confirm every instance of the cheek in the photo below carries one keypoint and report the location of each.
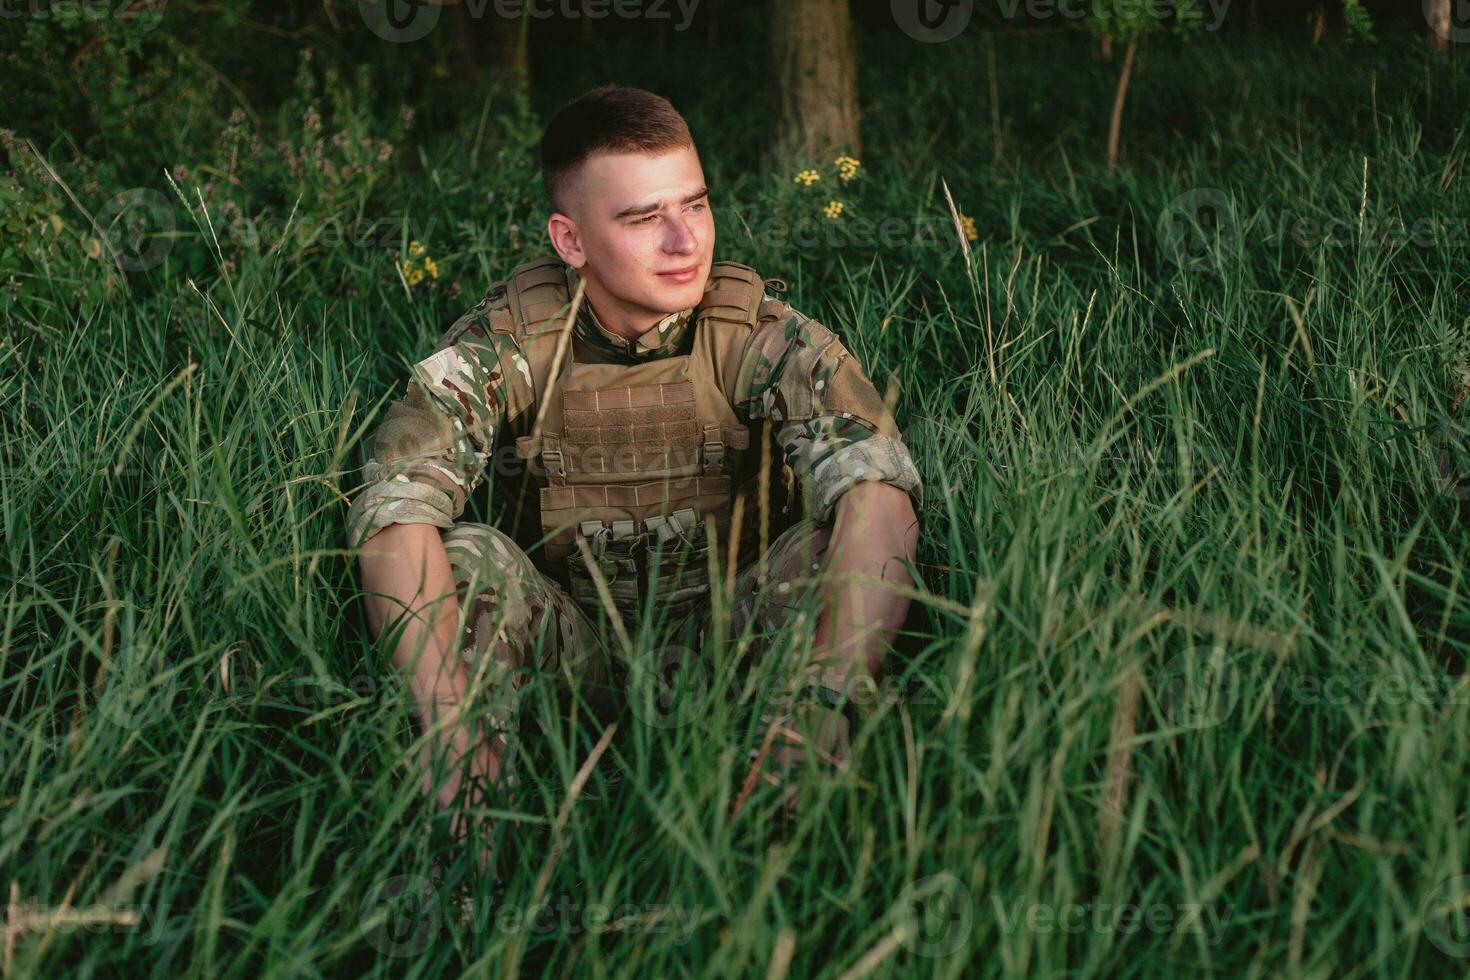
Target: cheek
(628, 244)
(636, 254)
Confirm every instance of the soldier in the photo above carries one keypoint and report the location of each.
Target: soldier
(647, 389)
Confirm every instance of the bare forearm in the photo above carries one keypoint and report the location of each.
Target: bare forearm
(875, 531)
(405, 569)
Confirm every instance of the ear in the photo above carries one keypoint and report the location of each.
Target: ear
(566, 239)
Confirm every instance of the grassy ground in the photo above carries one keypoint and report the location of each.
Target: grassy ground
(1186, 683)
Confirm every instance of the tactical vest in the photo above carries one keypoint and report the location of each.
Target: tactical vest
(643, 461)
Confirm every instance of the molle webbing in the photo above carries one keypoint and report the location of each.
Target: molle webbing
(634, 494)
(660, 414)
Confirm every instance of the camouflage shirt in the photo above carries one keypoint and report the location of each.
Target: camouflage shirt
(430, 450)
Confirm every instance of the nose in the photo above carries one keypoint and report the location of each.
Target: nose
(680, 239)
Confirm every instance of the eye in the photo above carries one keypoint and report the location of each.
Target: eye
(698, 207)
(646, 220)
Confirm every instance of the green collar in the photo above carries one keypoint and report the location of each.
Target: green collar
(660, 340)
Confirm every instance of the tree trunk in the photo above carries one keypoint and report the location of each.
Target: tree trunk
(1106, 47)
(1115, 128)
(509, 45)
(814, 57)
(1440, 24)
(466, 46)
(996, 141)
(712, 21)
(487, 45)
(512, 58)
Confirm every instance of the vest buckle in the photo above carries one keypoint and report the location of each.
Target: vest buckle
(712, 451)
(551, 462)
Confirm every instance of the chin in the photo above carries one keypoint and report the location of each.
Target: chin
(692, 293)
(680, 296)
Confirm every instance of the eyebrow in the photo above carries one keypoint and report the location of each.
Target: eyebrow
(650, 208)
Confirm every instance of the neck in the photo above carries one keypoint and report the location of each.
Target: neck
(630, 324)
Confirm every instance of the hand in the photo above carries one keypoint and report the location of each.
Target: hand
(809, 726)
(487, 765)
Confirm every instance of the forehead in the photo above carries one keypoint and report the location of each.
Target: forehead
(609, 182)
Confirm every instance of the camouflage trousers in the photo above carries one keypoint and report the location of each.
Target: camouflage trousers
(518, 619)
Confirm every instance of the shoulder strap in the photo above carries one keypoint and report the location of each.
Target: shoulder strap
(537, 295)
(733, 294)
(537, 291)
(725, 320)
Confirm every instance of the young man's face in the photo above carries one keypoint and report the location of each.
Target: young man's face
(640, 231)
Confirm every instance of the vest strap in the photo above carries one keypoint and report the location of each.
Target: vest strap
(712, 450)
(734, 294)
(551, 461)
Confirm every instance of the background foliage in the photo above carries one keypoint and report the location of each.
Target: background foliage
(1192, 638)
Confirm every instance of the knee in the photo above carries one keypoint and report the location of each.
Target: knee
(800, 549)
(480, 553)
(499, 588)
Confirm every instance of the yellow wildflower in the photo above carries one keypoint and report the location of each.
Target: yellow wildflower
(418, 265)
(847, 168)
(808, 177)
(833, 209)
(969, 223)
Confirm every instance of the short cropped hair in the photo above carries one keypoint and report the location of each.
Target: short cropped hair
(606, 119)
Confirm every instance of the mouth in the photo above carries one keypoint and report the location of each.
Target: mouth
(680, 275)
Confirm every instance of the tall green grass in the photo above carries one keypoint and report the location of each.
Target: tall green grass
(1192, 632)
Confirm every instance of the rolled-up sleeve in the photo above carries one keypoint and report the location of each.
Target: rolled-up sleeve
(836, 430)
(836, 452)
(430, 450)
